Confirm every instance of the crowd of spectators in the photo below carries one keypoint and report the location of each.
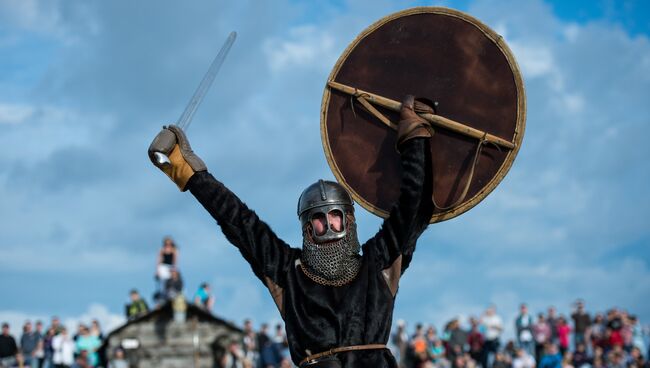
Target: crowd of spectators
(611, 340)
(550, 340)
(261, 349)
(55, 347)
(51, 347)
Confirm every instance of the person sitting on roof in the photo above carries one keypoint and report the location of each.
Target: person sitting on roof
(203, 297)
(137, 307)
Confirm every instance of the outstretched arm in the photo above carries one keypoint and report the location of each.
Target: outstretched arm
(268, 255)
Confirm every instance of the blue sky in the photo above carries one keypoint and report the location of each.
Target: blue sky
(85, 86)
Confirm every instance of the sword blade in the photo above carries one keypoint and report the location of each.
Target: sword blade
(186, 118)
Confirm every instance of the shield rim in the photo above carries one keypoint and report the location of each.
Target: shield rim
(519, 126)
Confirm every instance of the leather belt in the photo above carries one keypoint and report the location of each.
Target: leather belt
(341, 350)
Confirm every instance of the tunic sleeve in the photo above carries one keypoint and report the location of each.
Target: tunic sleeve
(268, 255)
(394, 244)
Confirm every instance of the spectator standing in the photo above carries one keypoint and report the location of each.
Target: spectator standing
(28, 344)
(234, 357)
(598, 356)
(580, 356)
(551, 319)
(614, 327)
(39, 353)
(563, 331)
(457, 340)
(118, 360)
(270, 357)
(501, 360)
(493, 327)
(419, 347)
(8, 347)
(167, 261)
(250, 349)
(399, 340)
(64, 348)
(637, 334)
(56, 325)
(81, 361)
(581, 322)
(551, 358)
(510, 349)
(524, 328)
(626, 331)
(174, 285)
(616, 357)
(431, 335)
(636, 359)
(523, 360)
(280, 341)
(438, 353)
(80, 328)
(597, 332)
(203, 297)
(475, 341)
(542, 335)
(89, 343)
(48, 350)
(137, 307)
(567, 360)
(96, 330)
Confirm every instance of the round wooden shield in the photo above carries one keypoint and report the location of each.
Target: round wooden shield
(442, 55)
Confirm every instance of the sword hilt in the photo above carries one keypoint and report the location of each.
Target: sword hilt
(161, 159)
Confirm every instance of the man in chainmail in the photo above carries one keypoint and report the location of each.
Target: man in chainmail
(337, 304)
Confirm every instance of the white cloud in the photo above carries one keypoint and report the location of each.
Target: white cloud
(15, 113)
(43, 129)
(535, 60)
(48, 18)
(305, 46)
(107, 319)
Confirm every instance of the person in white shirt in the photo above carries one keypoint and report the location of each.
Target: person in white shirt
(64, 348)
(493, 326)
(523, 360)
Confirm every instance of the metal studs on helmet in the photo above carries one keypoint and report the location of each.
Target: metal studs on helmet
(321, 199)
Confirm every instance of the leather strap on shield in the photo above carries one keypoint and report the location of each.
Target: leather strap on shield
(441, 55)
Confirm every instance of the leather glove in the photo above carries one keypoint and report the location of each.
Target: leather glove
(411, 125)
(183, 163)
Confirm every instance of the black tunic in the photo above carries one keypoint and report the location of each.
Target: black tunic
(318, 317)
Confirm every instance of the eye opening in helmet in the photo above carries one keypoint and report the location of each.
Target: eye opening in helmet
(319, 223)
(335, 220)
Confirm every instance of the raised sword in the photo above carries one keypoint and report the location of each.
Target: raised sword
(187, 115)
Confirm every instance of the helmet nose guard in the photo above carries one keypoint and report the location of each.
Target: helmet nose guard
(321, 198)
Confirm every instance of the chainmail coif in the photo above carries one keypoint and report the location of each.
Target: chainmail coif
(335, 263)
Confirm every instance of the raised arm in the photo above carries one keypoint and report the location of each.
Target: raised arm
(394, 244)
(268, 256)
(410, 216)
